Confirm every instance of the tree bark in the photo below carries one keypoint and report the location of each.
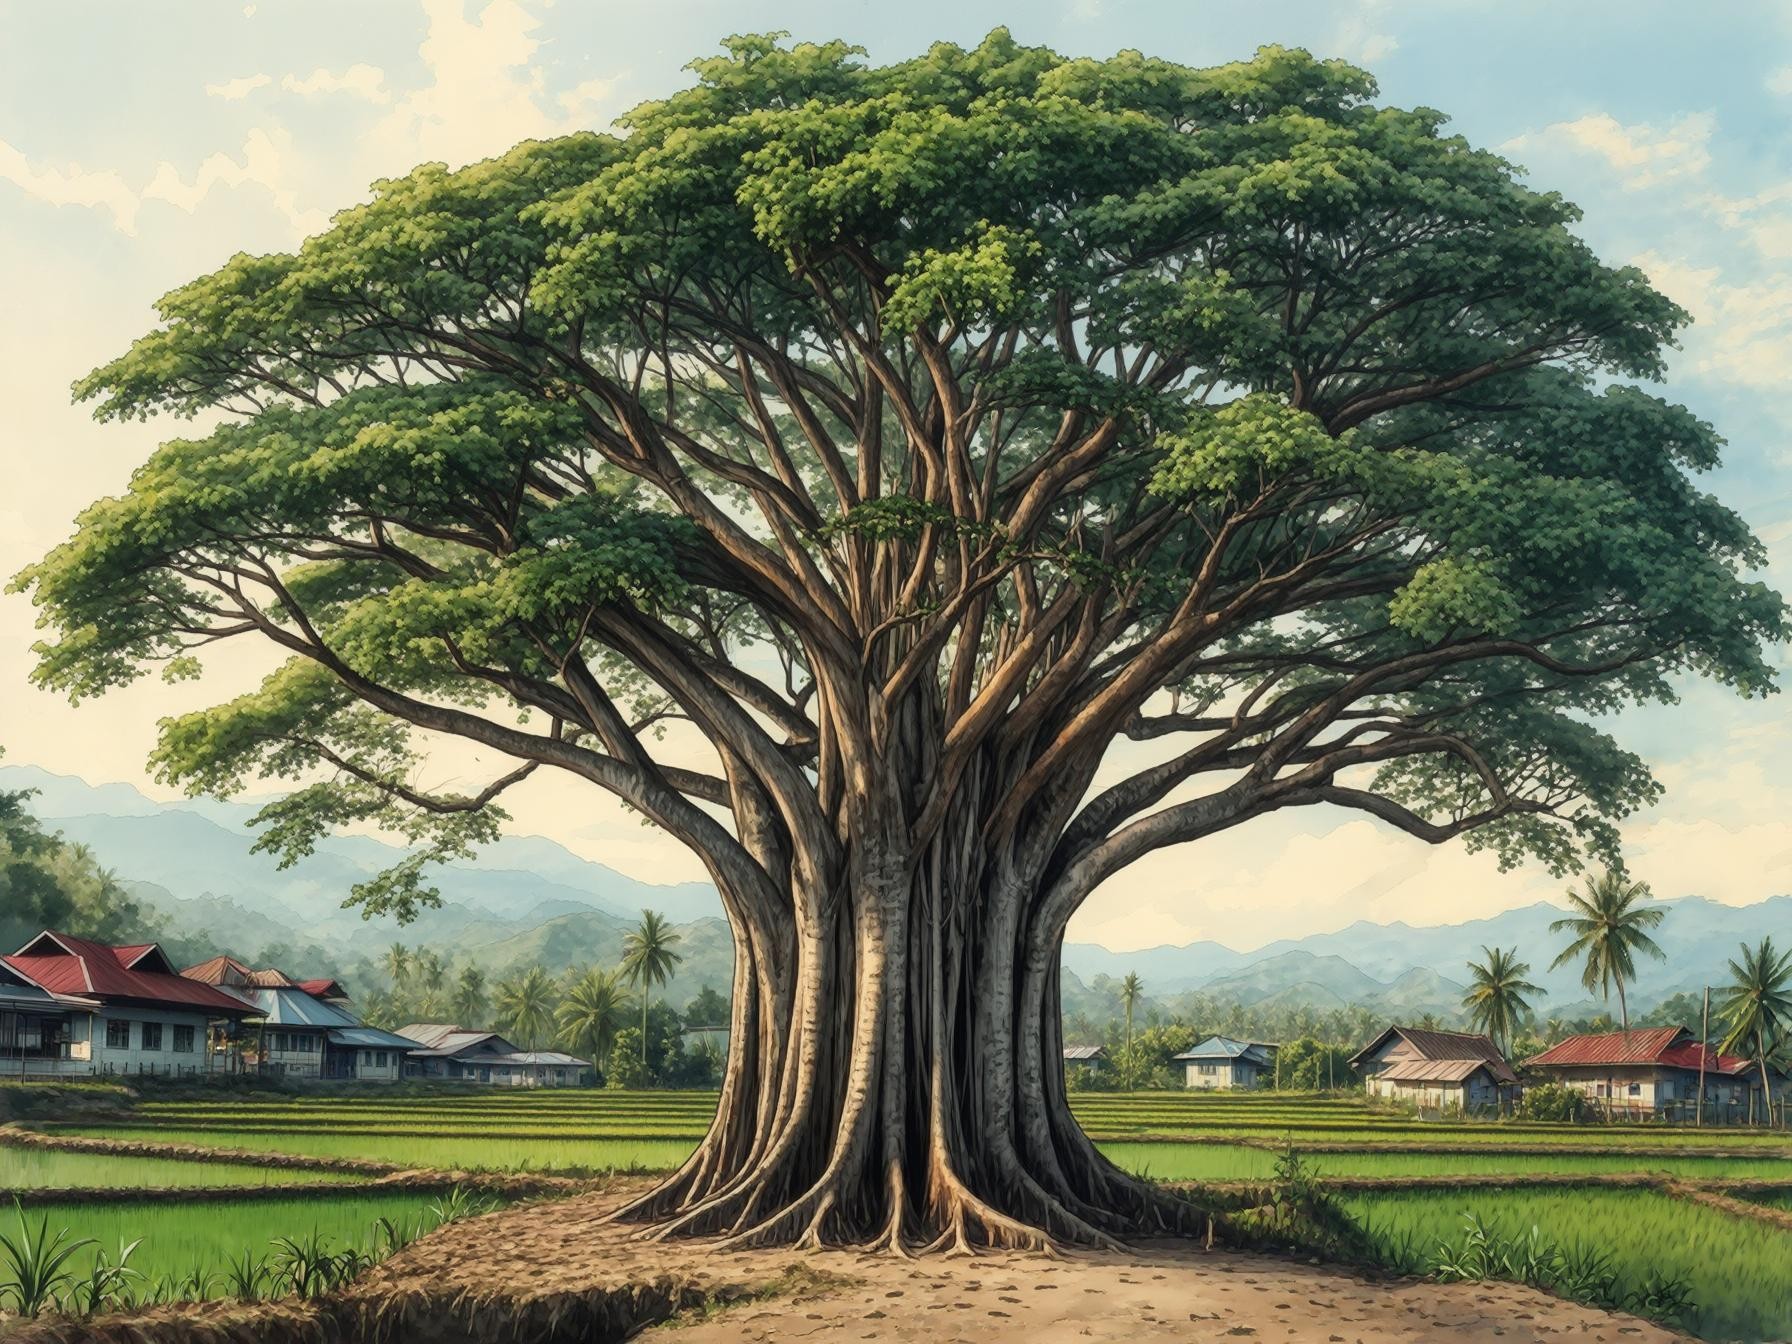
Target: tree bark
(904, 1089)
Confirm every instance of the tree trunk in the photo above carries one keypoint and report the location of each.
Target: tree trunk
(895, 1074)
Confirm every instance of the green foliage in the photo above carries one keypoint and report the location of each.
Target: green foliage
(1495, 999)
(1552, 1102)
(591, 1014)
(525, 1005)
(1757, 1004)
(1610, 925)
(1309, 1065)
(47, 883)
(36, 1269)
(533, 439)
(627, 1064)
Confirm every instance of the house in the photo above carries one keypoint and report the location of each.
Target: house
(1436, 1070)
(115, 1010)
(34, 1027)
(308, 1029)
(1084, 1061)
(1645, 1069)
(451, 1052)
(1221, 1062)
(307, 1037)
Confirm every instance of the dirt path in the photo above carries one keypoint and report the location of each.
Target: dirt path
(1162, 1292)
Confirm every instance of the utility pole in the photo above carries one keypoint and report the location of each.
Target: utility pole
(1704, 1049)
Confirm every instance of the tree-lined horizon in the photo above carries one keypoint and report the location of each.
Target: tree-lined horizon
(915, 434)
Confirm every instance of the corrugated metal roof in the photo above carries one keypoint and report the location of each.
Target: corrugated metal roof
(540, 1057)
(293, 1007)
(1441, 1070)
(67, 965)
(429, 1034)
(1081, 1052)
(1224, 1047)
(1641, 1046)
(370, 1038)
(1666, 1047)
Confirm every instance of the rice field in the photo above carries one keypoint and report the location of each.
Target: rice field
(178, 1240)
(38, 1168)
(1739, 1272)
(1226, 1162)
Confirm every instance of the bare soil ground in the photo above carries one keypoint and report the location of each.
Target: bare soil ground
(1160, 1292)
(556, 1271)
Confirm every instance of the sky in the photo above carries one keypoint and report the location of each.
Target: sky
(141, 145)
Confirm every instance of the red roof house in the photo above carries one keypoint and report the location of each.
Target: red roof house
(1644, 1068)
(139, 974)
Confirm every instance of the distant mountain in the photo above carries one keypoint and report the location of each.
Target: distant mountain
(196, 849)
(1417, 968)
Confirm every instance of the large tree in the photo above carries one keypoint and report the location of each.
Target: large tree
(1010, 466)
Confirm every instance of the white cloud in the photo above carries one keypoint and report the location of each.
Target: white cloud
(264, 164)
(235, 90)
(483, 95)
(1742, 329)
(1642, 155)
(1780, 81)
(71, 186)
(360, 80)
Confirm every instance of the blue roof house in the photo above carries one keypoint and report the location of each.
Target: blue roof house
(1221, 1062)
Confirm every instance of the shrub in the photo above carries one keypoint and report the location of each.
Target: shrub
(1551, 1101)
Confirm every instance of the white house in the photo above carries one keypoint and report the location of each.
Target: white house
(1644, 1070)
(102, 1010)
(445, 1051)
(1219, 1062)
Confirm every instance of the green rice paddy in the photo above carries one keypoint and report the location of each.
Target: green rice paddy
(1739, 1272)
(39, 1168)
(181, 1239)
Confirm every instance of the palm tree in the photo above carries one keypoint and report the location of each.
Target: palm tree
(430, 975)
(1496, 1000)
(591, 1014)
(469, 997)
(1758, 1007)
(1609, 926)
(397, 962)
(1130, 989)
(526, 1006)
(648, 959)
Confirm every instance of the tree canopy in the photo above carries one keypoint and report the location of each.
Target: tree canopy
(916, 433)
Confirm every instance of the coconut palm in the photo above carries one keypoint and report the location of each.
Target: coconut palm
(648, 959)
(1496, 1000)
(592, 1013)
(525, 1006)
(430, 974)
(469, 997)
(1130, 989)
(397, 962)
(1757, 1007)
(1609, 925)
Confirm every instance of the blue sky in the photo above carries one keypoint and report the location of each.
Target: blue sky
(142, 144)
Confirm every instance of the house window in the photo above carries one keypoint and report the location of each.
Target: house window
(379, 1058)
(183, 1040)
(1209, 1070)
(118, 1034)
(1636, 1089)
(152, 1035)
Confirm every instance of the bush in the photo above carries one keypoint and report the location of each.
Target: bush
(1551, 1101)
(625, 1068)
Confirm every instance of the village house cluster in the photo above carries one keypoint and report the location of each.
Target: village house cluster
(71, 1007)
(1647, 1071)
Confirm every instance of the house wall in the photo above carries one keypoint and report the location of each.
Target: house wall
(379, 1066)
(1644, 1085)
(1223, 1074)
(1480, 1091)
(292, 1051)
(92, 1036)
